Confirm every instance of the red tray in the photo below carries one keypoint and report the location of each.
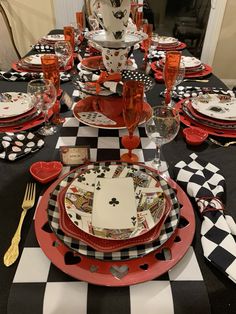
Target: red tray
(115, 273)
(112, 109)
(186, 120)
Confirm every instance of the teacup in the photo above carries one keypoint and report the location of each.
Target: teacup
(115, 59)
(115, 15)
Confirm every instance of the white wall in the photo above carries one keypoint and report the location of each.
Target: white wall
(65, 11)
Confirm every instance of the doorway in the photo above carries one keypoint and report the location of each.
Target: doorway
(184, 19)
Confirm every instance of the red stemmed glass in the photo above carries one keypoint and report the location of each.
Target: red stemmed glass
(132, 109)
(147, 28)
(139, 19)
(170, 72)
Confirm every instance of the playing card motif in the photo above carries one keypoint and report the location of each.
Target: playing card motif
(97, 118)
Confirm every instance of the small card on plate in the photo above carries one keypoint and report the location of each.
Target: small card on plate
(94, 117)
(114, 205)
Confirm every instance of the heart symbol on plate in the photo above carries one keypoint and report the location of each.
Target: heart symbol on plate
(45, 171)
(71, 259)
(119, 271)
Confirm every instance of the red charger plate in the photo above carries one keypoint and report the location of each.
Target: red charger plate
(180, 46)
(113, 111)
(115, 273)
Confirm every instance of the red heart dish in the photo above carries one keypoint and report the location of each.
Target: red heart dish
(45, 171)
(195, 135)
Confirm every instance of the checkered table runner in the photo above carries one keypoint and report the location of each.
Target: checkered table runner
(39, 287)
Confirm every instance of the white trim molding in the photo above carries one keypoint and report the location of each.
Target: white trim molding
(213, 30)
(229, 82)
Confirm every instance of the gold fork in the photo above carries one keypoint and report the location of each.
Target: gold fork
(222, 145)
(28, 202)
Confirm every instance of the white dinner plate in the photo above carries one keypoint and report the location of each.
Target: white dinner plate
(14, 103)
(212, 106)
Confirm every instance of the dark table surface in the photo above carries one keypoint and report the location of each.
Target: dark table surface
(15, 175)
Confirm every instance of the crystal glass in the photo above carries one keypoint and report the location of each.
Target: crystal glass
(161, 129)
(43, 93)
(64, 52)
(170, 72)
(132, 109)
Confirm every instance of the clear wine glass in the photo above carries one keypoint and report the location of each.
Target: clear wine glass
(43, 94)
(64, 52)
(161, 129)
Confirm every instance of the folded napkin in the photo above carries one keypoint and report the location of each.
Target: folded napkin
(111, 82)
(28, 76)
(181, 92)
(204, 182)
(16, 145)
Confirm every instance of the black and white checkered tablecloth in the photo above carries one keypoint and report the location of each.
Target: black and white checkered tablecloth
(39, 287)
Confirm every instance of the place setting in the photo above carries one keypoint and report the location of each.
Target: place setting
(194, 68)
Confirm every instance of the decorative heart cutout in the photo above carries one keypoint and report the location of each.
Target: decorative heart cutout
(44, 171)
(46, 227)
(119, 271)
(195, 135)
(71, 259)
(144, 266)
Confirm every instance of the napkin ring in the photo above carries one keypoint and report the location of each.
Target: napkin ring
(210, 203)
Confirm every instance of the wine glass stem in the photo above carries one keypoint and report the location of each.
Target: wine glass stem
(157, 160)
(46, 120)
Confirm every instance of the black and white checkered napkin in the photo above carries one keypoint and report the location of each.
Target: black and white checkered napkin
(204, 182)
(28, 76)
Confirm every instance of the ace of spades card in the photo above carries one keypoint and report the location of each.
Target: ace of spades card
(114, 205)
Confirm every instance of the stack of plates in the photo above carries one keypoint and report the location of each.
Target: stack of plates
(215, 113)
(166, 42)
(83, 209)
(96, 209)
(192, 64)
(193, 67)
(52, 39)
(17, 112)
(33, 63)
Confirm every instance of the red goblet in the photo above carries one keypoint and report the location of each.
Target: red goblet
(132, 110)
(171, 70)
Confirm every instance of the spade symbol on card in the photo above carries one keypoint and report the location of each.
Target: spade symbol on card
(98, 186)
(133, 219)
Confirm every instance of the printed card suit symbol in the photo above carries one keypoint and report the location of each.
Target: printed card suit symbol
(71, 259)
(74, 189)
(119, 64)
(114, 202)
(119, 271)
(133, 220)
(6, 108)
(46, 227)
(107, 57)
(116, 53)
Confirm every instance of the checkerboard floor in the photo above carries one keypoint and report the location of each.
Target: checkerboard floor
(39, 287)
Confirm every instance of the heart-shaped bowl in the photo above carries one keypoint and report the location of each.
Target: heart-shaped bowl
(46, 171)
(195, 135)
